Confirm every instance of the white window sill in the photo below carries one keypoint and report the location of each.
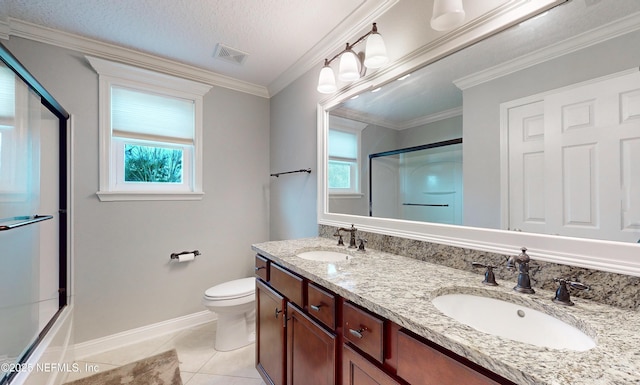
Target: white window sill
(345, 195)
(114, 196)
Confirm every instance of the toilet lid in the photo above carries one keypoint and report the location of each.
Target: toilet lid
(233, 289)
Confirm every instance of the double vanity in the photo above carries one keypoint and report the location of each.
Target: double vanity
(330, 314)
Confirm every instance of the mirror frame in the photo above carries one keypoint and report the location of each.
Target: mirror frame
(616, 257)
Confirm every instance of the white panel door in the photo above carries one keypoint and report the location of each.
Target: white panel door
(590, 159)
(527, 208)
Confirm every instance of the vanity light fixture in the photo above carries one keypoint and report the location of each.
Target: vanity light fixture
(350, 63)
(447, 14)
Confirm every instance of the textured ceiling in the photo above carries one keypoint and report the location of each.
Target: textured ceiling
(274, 33)
(283, 38)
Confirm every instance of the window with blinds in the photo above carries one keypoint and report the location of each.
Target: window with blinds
(153, 133)
(342, 170)
(151, 130)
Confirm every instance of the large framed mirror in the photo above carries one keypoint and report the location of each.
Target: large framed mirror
(548, 110)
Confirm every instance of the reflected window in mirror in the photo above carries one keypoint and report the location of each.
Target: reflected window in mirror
(343, 162)
(344, 157)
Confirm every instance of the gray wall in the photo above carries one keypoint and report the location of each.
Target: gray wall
(441, 130)
(293, 147)
(123, 277)
(481, 116)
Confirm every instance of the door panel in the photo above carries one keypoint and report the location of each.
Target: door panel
(311, 351)
(573, 161)
(270, 334)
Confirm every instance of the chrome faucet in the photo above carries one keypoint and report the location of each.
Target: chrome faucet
(352, 238)
(524, 281)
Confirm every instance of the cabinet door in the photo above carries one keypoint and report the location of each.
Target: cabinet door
(357, 370)
(270, 334)
(421, 364)
(311, 351)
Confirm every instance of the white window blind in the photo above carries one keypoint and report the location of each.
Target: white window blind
(343, 144)
(7, 95)
(149, 116)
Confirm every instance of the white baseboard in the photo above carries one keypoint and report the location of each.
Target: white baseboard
(114, 341)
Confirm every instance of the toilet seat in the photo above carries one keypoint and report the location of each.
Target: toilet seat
(239, 288)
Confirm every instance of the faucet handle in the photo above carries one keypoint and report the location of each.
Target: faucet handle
(361, 245)
(339, 235)
(562, 294)
(489, 276)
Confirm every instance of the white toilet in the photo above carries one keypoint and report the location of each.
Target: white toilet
(234, 303)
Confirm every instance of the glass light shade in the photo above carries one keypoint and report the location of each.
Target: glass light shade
(327, 81)
(349, 70)
(447, 14)
(376, 52)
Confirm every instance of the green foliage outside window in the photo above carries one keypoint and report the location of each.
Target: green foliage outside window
(152, 164)
(339, 174)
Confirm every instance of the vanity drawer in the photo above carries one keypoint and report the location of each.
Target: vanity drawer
(262, 268)
(322, 305)
(419, 363)
(287, 283)
(364, 330)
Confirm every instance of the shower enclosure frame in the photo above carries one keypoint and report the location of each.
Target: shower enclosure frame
(51, 104)
(405, 150)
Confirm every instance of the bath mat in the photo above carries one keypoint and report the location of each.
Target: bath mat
(161, 369)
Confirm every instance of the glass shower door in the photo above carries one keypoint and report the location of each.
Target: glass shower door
(29, 217)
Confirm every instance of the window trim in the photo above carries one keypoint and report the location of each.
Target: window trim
(122, 75)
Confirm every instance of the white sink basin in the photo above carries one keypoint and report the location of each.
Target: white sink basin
(324, 256)
(515, 322)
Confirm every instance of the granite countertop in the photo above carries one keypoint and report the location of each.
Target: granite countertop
(401, 289)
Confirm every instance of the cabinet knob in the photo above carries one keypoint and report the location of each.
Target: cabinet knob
(278, 312)
(358, 333)
(315, 307)
(260, 268)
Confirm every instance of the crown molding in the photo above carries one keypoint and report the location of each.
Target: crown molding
(396, 125)
(612, 30)
(113, 52)
(359, 20)
(427, 119)
(346, 124)
(4, 30)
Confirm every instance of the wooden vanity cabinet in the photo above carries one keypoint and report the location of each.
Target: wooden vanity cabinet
(423, 363)
(262, 268)
(311, 350)
(364, 330)
(288, 284)
(358, 370)
(307, 335)
(270, 334)
(293, 347)
(322, 305)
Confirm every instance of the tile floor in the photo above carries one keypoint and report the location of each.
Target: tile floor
(200, 364)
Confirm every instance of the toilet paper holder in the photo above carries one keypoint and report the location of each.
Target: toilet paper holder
(177, 255)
